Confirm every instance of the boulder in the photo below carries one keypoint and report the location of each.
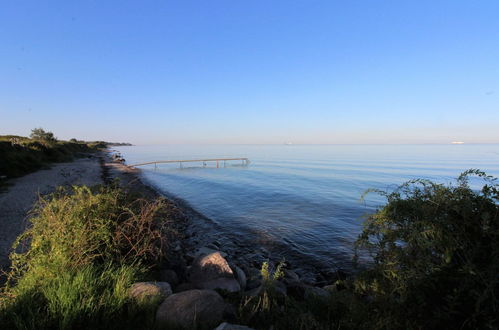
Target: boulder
(204, 251)
(229, 326)
(150, 291)
(254, 278)
(240, 276)
(213, 272)
(190, 308)
(290, 277)
(170, 276)
(289, 274)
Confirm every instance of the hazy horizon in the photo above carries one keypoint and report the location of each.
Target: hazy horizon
(230, 72)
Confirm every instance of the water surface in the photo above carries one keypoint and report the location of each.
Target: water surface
(301, 201)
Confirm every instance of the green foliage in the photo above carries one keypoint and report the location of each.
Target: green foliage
(269, 278)
(265, 306)
(270, 307)
(41, 134)
(72, 268)
(20, 155)
(436, 256)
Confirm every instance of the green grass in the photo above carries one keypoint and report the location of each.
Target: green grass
(20, 155)
(73, 267)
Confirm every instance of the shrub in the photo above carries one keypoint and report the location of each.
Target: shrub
(20, 155)
(436, 256)
(40, 134)
(73, 266)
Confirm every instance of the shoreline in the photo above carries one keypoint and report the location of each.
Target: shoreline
(199, 233)
(202, 233)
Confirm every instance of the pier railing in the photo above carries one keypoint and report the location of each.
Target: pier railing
(245, 161)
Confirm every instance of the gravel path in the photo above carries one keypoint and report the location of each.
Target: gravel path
(21, 195)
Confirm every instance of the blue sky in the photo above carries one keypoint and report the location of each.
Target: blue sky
(251, 71)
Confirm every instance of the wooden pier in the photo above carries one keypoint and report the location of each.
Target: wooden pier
(245, 161)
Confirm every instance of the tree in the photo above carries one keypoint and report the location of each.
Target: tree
(40, 134)
(436, 256)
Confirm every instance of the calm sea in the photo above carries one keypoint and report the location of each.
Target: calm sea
(301, 201)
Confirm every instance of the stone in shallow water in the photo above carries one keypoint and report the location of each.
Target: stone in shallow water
(190, 308)
(241, 277)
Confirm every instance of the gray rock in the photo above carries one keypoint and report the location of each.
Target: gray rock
(168, 275)
(203, 251)
(190, 308)
(241, 277)
(150, 291)
(291, 275)
(213, 272)
(229, 326)
(254, 278)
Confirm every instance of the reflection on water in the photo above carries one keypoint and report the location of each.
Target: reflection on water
(301, 201)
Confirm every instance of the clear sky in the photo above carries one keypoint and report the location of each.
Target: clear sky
(251, 71)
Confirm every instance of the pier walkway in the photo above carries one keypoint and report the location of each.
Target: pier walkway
(245, 161)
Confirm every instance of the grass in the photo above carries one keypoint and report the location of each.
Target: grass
(21, 155)
(73, 267)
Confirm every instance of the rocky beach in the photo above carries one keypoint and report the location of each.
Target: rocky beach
(199, 262)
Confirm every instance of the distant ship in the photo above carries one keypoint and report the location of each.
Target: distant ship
(288, 143)
(457, 142)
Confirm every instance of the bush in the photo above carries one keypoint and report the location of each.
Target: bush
(20, 155)
(73, 266)
(436, 256)
(40, 134)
